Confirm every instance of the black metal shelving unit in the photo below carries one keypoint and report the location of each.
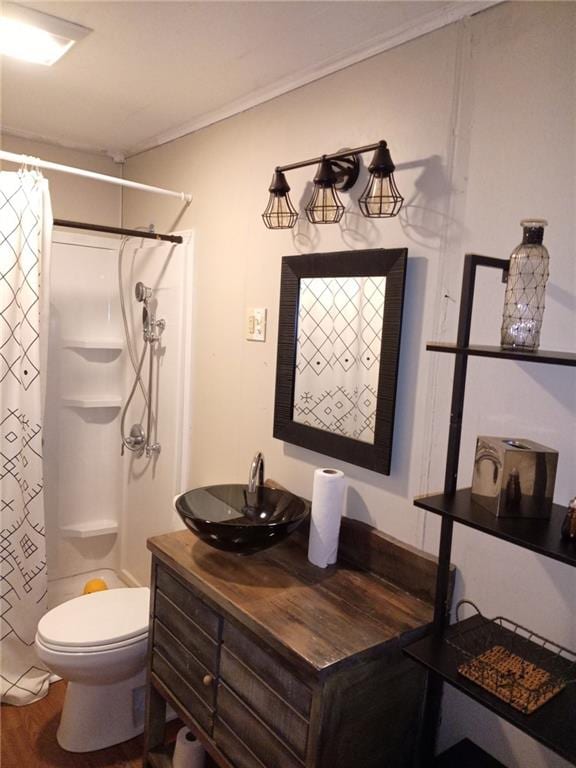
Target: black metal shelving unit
(551, 724)
(465, 754)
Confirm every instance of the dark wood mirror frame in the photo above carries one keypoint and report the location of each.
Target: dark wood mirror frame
(390, 263)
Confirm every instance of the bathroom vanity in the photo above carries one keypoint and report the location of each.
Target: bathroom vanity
(274, 663)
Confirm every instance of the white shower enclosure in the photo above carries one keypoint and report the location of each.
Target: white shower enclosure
(101, 506)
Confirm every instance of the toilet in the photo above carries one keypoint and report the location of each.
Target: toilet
(98, 643)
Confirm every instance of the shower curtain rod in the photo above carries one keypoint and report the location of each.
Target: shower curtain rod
(118, 231)
(36, 162)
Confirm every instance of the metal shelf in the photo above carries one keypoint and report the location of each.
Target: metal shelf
(479, 350)
(550, 725)
(466, 754)
(541, 536)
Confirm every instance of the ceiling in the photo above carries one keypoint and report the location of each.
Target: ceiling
(152, 71)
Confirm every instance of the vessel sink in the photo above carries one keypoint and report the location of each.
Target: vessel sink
(230, 517)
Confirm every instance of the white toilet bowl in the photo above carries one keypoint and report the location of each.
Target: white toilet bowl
(98, 644)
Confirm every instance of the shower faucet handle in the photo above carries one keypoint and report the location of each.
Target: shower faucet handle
(153, 449)
(136, 439)
(153, 330)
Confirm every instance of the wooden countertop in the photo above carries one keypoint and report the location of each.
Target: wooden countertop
(315, 617)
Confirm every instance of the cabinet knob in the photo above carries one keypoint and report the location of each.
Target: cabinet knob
(207, 680)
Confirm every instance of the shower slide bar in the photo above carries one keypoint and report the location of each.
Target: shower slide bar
(36, 162)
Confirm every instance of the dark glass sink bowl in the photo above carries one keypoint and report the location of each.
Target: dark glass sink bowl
(229, 517)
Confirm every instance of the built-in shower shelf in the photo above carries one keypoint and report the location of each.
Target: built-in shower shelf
(109, 344)
(92, 402)
(92, 528)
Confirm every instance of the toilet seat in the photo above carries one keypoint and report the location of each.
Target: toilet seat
(86, 649)
(101, 621)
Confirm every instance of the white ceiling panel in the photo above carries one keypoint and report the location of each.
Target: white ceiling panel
(151, 71)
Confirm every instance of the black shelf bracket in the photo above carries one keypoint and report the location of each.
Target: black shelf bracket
(471, 263)
(433, 700)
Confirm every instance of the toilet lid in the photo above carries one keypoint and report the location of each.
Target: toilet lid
(101, 618)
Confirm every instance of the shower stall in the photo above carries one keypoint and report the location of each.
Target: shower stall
(106, 372)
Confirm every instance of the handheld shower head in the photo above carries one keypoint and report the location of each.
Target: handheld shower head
(141, 292)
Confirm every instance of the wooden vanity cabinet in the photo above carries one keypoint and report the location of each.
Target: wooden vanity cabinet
(274, 663)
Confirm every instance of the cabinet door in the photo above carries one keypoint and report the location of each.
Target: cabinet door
(263, 701)
(252, 732)
(263, 706)
(185, 647)
(186, 696)
(269, 667)
(190, 604)
(186, 631)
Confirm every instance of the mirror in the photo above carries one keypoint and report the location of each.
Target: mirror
(338, 349)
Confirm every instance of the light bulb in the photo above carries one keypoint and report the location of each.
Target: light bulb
(324, 207)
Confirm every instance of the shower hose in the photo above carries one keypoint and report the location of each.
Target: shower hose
(137, 364)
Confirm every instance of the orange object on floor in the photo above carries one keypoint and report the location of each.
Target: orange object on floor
(94, 585)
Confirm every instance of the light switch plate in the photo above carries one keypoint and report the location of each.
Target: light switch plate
(256, 323)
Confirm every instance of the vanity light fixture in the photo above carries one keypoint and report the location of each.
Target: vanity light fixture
(336, 172)
(37, 37)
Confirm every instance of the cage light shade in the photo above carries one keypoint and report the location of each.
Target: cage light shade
(381, 198)
(325, 206)
(279, 213)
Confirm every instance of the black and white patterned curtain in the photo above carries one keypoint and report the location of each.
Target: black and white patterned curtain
(338, 354)
(25, 232)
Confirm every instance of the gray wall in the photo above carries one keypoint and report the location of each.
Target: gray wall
(483, 113)
(73, 197)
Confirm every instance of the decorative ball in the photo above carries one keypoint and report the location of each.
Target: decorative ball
(94, 585)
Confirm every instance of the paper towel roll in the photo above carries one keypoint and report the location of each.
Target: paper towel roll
(327, 508)
(188, 752)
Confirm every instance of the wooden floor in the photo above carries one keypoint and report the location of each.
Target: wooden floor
(28, 739)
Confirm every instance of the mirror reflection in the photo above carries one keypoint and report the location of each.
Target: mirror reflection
(339, 338)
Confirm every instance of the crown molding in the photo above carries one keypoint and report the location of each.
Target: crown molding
(118, 156)
(431, 21)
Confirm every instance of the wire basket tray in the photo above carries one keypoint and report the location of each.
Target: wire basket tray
(515, 664)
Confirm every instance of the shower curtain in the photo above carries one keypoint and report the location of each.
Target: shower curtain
(25, 233)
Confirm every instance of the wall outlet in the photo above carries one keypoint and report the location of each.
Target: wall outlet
(256, 323)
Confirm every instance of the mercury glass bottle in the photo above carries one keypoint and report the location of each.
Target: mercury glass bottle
(525, 288)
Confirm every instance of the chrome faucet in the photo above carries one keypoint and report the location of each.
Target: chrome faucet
(256, 474)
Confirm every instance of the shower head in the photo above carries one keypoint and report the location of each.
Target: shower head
(141, 292)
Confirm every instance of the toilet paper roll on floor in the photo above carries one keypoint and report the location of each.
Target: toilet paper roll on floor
(328, 494)
(188, 752)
